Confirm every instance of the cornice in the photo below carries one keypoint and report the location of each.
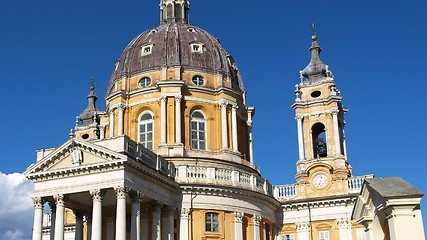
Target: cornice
(317, 102)
(319, 202)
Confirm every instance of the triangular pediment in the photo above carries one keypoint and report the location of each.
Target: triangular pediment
(74, 154)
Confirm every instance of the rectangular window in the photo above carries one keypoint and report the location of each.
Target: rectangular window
(212, 222)
(287, 237)
(324, 235)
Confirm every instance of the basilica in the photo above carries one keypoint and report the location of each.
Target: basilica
(171, 156)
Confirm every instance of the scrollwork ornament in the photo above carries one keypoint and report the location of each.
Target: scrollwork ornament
(97, 195)
(38, 202)
(238, 216)
(257, 220)
(121, 191)
(59, 199)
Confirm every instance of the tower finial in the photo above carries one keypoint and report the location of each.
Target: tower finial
(92, 83)
(314, 36)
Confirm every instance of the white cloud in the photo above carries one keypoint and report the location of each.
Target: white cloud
(16, 207)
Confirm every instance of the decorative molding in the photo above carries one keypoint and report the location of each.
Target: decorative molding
(238, 216)
(121, 191)
(38, 202)
(97, 194)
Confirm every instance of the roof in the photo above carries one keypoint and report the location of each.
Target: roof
(393, 187)
(172, 47)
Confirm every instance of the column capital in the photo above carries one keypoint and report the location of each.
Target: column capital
(136, 196)
(238, 216)
(185, 212)
(121, 191)
(302, 226)
(234, 107)
(59, 199)
(335, 111)
(343, 222)
(97, 194)
(223, 104)
(101, 127)
(163, 98)
(299, 117)
(257, 220)
(38, 202)
(111, 110)
(178, 99)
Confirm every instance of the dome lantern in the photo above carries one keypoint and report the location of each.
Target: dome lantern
(174, 11)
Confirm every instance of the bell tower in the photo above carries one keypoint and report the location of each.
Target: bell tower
(322, 167)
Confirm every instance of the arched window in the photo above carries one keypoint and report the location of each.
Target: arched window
(146, 127)
(212, 223)
(198, 130)
(170, 12)
(319, 140)
(178, 12)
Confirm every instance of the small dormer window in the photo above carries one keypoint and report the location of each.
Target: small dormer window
(198, 80)
(144, 82)
(196, 48)
(146, 50)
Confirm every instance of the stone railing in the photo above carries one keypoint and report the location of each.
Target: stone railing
(354, 184)
(224, 177)
(287, 191)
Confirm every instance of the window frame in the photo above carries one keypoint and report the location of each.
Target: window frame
(198, 80)
(198, 121)
(326, 235)
(212, 227)
(145, 122)
(144, 81)
(199, 47)
(144, 48)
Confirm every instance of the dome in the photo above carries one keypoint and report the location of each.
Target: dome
(175, 44)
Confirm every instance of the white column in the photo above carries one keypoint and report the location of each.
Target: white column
(336, 132)
(163, 120)
(111, 122)
(344, 227)
(238, 225)
(183, 225)
(344, 144)
(234, 128)
(251, 145)
(156, 223)
(96, 230)
(101, 132)
(59, 218)
(121, 193)
(257, 227)
(224, 125)
(178, 137)
(79, 226)
(120, 126)
(135, 229)
(300, 137)
(38, 218)
(303, 230)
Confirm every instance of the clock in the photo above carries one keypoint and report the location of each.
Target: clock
(320, 181)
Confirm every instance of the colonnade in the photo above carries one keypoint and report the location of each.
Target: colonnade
(162, 218)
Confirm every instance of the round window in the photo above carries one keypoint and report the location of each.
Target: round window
(198, 80)
(316, 94)
(144, 82)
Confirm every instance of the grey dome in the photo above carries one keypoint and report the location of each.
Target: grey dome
(171, 47)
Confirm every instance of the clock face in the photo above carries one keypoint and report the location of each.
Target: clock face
(320, 181)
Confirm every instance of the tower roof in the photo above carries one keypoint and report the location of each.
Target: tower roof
(316, 69)
(88, 115)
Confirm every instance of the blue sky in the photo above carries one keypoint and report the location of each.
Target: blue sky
(375, 49)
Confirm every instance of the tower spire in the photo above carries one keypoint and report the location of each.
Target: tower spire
(174, 11)
(316, 69)
(88, 115)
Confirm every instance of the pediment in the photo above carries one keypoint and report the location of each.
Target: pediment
(73, 154)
